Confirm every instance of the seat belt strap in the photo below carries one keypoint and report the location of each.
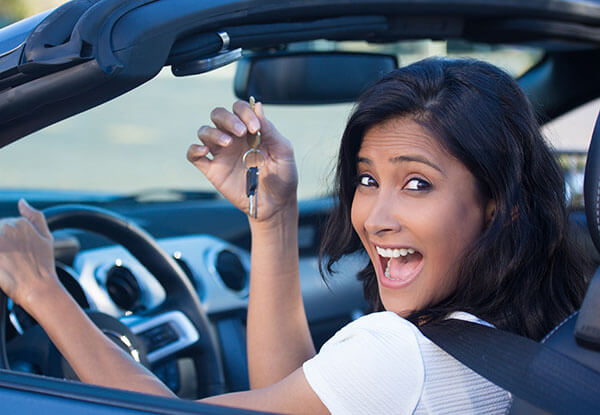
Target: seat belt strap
(529, 370)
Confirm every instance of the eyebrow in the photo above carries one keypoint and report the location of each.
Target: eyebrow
(406, 159)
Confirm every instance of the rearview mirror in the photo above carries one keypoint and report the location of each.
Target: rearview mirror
(309, 78)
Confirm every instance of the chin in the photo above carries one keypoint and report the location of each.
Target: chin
(403, 309)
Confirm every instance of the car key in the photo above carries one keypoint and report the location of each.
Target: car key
(252, 172)
(251, 188)
(253, 140)
(253, 167)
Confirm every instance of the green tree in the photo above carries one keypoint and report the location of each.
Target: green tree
(11, 10)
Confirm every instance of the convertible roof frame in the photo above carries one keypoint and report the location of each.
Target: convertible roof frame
(87, 52)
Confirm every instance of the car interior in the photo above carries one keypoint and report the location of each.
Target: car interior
(100, 98)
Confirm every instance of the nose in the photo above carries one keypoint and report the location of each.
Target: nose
(382, 218)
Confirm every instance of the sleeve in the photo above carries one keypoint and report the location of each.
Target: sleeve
(371, 366)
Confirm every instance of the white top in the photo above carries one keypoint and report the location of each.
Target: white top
(382, 364)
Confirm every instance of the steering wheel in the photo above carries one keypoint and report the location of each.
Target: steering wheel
(181, 311)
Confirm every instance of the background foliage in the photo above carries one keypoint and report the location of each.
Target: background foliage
(12, 10)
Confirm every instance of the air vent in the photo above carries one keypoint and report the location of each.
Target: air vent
(123, 288)
(232, 271)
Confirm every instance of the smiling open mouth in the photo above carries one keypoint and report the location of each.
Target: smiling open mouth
(400, 264)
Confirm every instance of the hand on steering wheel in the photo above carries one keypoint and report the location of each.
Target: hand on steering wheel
(181, 300)
(26, 257)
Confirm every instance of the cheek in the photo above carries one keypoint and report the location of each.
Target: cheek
(465, 224)
(472, 216)
(357, 214)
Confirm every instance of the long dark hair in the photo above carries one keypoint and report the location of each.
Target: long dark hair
(523, 274)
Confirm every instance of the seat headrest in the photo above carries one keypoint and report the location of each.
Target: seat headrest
(591, 186)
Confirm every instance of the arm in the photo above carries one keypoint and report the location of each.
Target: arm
(292, 395)
(110, 366)
(27, 275)
(277, 331)
(278, 339)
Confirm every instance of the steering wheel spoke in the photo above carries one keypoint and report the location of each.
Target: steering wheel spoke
(165, 334)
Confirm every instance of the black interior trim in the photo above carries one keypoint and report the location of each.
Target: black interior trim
(130, 40)
(3, 310)
(523, 30)
(554, 86)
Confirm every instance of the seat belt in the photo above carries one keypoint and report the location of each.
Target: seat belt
(529, 370)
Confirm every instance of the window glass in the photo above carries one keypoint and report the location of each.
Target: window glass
(137, 142)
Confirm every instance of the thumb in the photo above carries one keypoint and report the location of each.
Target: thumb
(35, 217)
(281, 146)
(266, 128)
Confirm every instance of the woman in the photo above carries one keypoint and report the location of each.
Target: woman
(443, 180)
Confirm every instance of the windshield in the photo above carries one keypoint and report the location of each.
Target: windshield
(137, 142)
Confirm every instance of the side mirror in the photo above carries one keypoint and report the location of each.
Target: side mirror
(309, 78)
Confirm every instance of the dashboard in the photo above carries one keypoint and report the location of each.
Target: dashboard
(111, 281)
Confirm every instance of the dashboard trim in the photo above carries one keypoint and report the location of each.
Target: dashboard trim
(186, 332)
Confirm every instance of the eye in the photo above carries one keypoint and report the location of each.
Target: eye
(366, 180)
(417, 184)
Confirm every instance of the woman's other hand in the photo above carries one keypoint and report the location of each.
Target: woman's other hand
(26, 256)
(226, 142)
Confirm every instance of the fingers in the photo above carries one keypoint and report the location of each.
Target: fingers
(266, 127)
(7, 225)
(226, 139)
(228, 122)
(196, 155)
(213, 138)
(241, 121)
(229, 128)
(247, 116)
(35, 217)
(13, 230)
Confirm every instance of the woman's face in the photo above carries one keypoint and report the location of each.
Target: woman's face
(416, 210)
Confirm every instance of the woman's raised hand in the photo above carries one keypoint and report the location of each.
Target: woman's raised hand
(226, 142)
(26, 256)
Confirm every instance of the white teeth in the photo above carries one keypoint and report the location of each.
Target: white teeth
(394, 253)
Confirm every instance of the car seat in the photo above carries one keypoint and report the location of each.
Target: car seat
(578, 336)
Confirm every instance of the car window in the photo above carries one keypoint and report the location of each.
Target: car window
(570, 135)
(137, 142)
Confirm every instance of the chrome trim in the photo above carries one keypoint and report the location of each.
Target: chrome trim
(15, 322)
(12, 317)
(152, 293)
(132, 351)
(211, 265)
(11, 51)
(225, 39)
(222, 59)
(187, 333)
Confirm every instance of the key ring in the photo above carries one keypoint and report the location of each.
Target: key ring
(257, 151)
